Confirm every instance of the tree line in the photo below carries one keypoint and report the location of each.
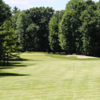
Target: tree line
(73, 30)
(78, 31)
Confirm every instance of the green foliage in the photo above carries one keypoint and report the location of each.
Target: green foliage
(9, 40)
(91, 29)
(54, 30)
(5, 12)
(21, 26)
(66, 29)
(2, 35)
(41, 29)
(38, 19)
(14, 17)
(98, 5)
(70, 5)
(78, 7)
(15, 10)
(32, 36)
(77, 29)
(70, 25)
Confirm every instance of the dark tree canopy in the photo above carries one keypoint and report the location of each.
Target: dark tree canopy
(66, 36)
(54, 31)
(38, 19)
(5, 12)
(91, 29)
(70, 5)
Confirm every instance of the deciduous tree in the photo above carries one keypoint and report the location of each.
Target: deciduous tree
(54, 31)
(91, 29)
(66, 36)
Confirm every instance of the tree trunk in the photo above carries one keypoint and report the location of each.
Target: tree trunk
(7, 60)
(4, 59)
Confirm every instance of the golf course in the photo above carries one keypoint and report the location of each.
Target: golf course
(42, 76)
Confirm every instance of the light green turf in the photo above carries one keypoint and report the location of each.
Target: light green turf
(51, 77)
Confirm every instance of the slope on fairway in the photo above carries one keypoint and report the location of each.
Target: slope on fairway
(51, 77)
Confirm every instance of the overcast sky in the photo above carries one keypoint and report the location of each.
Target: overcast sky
(26, 4)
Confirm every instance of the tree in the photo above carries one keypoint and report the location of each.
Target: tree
(23, 21)
(66, 29)
(91, 29)
(42, 18)
(54, 31)
(15, 10)
(5, 12)
(15, 14)
(1, 47)
(10, 40)
(32, 37)
(70, 5)
(78, 8)
(38, 18)
(2, 35)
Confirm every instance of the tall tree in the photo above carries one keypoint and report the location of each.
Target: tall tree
(23, 21)
(78, 8)
(2, 35)
(10, 40)
(15, 14)
(5, 12)
(66, 36)
(32, 37)
(39, 19)
(91, 29)
(54, 31)
(15, 10)
(70, 5)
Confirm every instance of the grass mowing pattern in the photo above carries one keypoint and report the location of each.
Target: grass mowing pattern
(51, 77)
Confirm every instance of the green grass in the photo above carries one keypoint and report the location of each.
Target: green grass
(41, 76)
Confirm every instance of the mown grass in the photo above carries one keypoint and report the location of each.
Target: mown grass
(40, 76)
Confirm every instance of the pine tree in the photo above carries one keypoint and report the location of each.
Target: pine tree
(10, 40)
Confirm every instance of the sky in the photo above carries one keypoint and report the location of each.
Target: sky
(27, 4)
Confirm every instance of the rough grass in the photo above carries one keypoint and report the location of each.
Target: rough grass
(40, 76)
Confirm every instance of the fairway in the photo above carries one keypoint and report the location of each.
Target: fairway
(41, 76)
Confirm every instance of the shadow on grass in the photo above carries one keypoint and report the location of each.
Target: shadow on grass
(13, 74)
(18, 59)
(12, 66)
(13, 63)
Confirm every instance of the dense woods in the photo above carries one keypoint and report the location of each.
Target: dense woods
(73, 30)
(32, 28)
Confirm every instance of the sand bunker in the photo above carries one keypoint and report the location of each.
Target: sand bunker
(80, 56)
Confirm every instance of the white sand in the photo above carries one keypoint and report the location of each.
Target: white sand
(80, 56)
